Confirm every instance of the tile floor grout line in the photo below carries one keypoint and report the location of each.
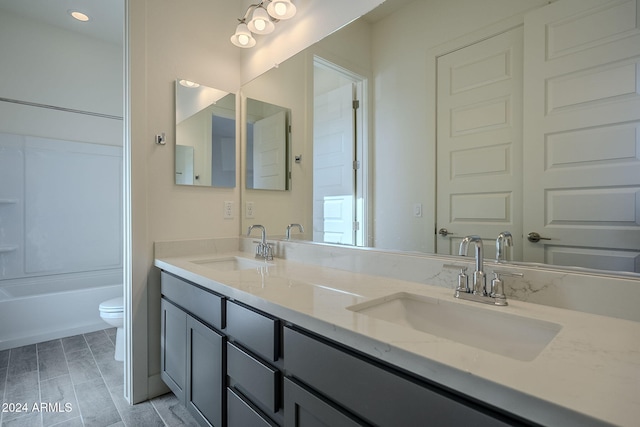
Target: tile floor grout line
(39, 384)
(73, 386)
(93, 356)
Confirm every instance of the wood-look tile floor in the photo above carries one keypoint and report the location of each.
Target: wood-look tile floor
(75, 381)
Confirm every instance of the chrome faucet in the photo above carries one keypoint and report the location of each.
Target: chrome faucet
(288, 233)
(263, 250)
(479, 279)
(479, 293)
(504, 240)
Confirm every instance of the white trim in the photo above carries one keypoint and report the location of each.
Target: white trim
(126, 220)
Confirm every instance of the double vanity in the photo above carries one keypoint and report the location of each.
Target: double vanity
(292, 341)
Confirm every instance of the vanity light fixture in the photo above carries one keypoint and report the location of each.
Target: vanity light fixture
(281, 9)
(260, 18)
(261, 22)
(83, 17)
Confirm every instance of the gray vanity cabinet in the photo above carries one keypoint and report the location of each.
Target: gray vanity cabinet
(374, 394)
(254, 379)
(263, 373)
(192, 348)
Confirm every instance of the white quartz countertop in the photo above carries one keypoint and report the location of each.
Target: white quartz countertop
(592, 365)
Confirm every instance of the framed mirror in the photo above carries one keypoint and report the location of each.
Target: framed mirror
(267, 150)
(587, 222)
(205, 150)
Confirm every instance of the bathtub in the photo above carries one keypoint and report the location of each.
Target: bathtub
(38, 309)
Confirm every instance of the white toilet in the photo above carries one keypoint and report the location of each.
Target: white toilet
(112, 312)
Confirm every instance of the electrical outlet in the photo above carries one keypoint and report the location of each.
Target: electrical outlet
(228, 210)
(249, 212)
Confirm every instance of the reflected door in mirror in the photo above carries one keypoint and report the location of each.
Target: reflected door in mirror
(267, 146)
(205, 136)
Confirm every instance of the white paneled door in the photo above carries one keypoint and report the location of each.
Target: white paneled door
(479, 142)
(269, 153)
(582, 134)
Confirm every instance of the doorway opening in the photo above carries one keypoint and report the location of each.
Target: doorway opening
(339, 155)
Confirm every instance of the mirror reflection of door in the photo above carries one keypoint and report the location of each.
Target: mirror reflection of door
(267, 130)
(184, 165)
(269, 153)
(338, 150)
(582, 135)
(479, 143)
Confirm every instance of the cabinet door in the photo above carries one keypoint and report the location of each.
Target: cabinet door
(173, 343)
(304, 409)
(205, 370)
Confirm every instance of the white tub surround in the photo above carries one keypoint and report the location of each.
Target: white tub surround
(592, 365)
(44, 308)
(60, 231)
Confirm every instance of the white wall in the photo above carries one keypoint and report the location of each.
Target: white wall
(313, 21)
(168, 39)
(50, 65)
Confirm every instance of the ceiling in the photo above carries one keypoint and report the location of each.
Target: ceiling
(106, 16)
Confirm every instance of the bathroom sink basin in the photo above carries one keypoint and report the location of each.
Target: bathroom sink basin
(502, 333)
(232, 263)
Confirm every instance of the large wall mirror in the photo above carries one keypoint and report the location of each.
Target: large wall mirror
(205, 136)
(440, 170)
(267, 142)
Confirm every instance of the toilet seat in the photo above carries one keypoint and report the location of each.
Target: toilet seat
(115, 305)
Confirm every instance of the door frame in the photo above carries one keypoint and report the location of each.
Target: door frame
(363, 236)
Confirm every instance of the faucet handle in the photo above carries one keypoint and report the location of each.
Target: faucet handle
(268, 252)
(259, 250)
(507, 273)
(463, 279)
(497, 286)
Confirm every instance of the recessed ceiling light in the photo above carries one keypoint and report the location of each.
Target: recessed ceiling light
(79, 15)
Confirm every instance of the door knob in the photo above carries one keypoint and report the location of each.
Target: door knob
(535, 237)
(444, 232)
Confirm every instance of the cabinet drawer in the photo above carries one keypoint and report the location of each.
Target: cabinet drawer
(241, 414)
(253, 377)
(203, 304)
(256, 331)
(378, 394)
(303, 408)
